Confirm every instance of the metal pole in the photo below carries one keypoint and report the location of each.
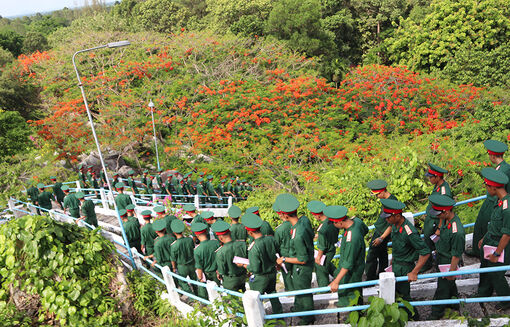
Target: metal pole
(80, 84)
(151, 106)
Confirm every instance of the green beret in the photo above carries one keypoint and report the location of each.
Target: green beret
(439, 203)
(287, 202)
(391, 206)
(220, 226)
(210, 177)
(159, 209)
(243, 180)
(495, 147)
(40, 185)
(177, 226)
(146, 213)
(122, 212)
(200, 180)
(234, 211)
(53, 177)
(335, 212)
(115, 174)
(79, 195)
(198, 227)
(145, 171)
(159, 224)
(494, 177)
(207, 214)
(222, 181)
(377, 184)
(130, 207)
(251, 220)
(435, 171)
(252, 210)
(131, 172)
(119, 185)
(316, 206)
(202, 173)
(65, 188)
(189, 207)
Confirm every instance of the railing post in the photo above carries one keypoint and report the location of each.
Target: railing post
(229, 202)
(253, 309)
(133, 199)
(387, 287)
(212, 292)
(197, 201)
(103, 198)
(173, 296)
(136, 257)
(154, 199)
(78, 186)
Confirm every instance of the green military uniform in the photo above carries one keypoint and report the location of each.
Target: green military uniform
(282, 239)
(200, 191)
(221, 191)
(57, 190)
(88, 210)
(73, 204)
(44, 199)
(162, 245)
(179, 192)
(499, 226)
(326, 240)
(147, 234)
(159, 180)
(131, 182)
(132, 230)
(209, 188)
(237, 230)
(122, 200)
(182, 255)
(262, 259)
(451, 243)
(145, 180)
(33, 194)
(205, 258)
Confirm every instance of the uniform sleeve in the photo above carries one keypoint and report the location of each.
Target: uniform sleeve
(321, 241)
(418, 244)
(347, 257)
(157, 254)
(300, 247)
(506, 220)
(197, 256)
(458, 243)
(221, 263)
(174, 252)
(143, 234)
(254, 256)
(240, 250)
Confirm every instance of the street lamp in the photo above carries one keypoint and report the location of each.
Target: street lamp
(151, 106)
(80, 84)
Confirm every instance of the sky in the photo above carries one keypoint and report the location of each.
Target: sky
(9, 8)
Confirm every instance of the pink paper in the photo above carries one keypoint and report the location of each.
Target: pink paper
(323, 258)
(388, 269)
(243, 261)
(488, 250)
(446, 268)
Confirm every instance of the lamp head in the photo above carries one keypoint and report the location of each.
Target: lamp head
(118, 44)
(151, 104)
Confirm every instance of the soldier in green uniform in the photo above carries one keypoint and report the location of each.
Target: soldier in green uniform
(162, 245)
(229, 190)
(33, 194)
(88, 211)
(431, 225)
(159, 180)
(161, 214)
(237, 190)
(202, 195)
(262, 260)
(169, 186)
(147, 234)
(205, 257)
(102, 177)
(145, 180)
(122, 200)
(232, 276)
(352, 254)
(183, 262)
(44, 198)
(495, 150)
(132, 230)
(301, 254)
(449, 249)
(498, 236)
(131, 182)
(237, 230)
(221, 192)
(179, 192)
(130, 209)
(407, 244)
(188, 188)
(211, 191)
(282, 239)
(71, 203)
(175, 180)
(115, 179)
(327, 237)
(378, 249)
(57, 190)
(266, 228)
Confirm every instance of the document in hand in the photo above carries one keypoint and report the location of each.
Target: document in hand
(488, 250)
(240, 260)
(323, 258)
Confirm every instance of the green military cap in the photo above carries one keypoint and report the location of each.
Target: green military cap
(146, 213)
(200, 180)
(495, 147)
(189, 207)
(316, 207)
(146, 171)
(160, 170)
(377, 185)
(198, 228)
(40, 185)
(65, 188)
(391, 206)
(131, 172)
(221, 227)
(234, 211)
(254, 210)
(222, 181)
(440, 203)
(493, 177)
(130, 207)
(159, 225)
(243, 180)
(210, 177)
(177, 226)
(53, 178)
(115, 174)
(207, 215)
(276, 208)
(122, 212)
(435, 171)
(79, 195)
(251, 221)
(287, 203)
(119, 185)
(202, 173)
(159, 209)
(335, 213)
(80, 166)
(90, 167)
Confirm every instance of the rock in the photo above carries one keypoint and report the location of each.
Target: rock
(151, 167)
(113, 160)
(124, 171)
(203, 158)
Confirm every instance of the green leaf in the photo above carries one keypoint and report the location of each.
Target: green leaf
(377, 304)
(353, 317)
(74, 294)
(394, 312)
(363, 322)
(10, 260)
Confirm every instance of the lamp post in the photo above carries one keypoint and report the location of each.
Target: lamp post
(151, 106)
(80, 84)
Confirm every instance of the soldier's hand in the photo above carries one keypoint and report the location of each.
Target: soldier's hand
(480, 243)
(412, 276)
(333, 286)
(377, 241)
(450, 277)
(493, 258)
(438, 232)
(318, 260)
(279, 260)
(219, 276)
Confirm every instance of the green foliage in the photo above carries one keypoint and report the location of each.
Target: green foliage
(11, 41)
(244, 17)
(18, 95)
(380, 314)
(5, 57)
(69, 270)
(14, 132)
(164, 16)
(34, 41)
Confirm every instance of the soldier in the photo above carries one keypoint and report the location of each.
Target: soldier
(88, 211)
(208, 217)
(145, 180)
(378, 249)
(95, 184)
(82, 175)
(232, 276)
(147, 234)
(221, 192)
(327, 237)
(282, 239)
(407, 244)
(132, 230)
(44, 198)
(162, 245)
(122, 200)
(237, 230)
(179, 192)
(71, 202)
(449, 249)
(175, 179)
(57, 190)
(262, 259)
(102, 177)
(161, 214)
(496, 150)
(431, 225)
(33, 194)
(130, 209)
(229, 190)
(192, 212)
(188, 188)
(131, 182)
(498, 236)
(116, 179)
(301, 254)
(237, 190)
(202, 195)
(266, 228)
(183, 262)
(205, 257)
(211, 192)
(159, 180)
(352, 254)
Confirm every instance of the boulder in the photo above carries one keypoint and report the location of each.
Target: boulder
(124, 171)
(113, 160)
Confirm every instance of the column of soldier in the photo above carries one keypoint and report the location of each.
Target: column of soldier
(223, 256)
